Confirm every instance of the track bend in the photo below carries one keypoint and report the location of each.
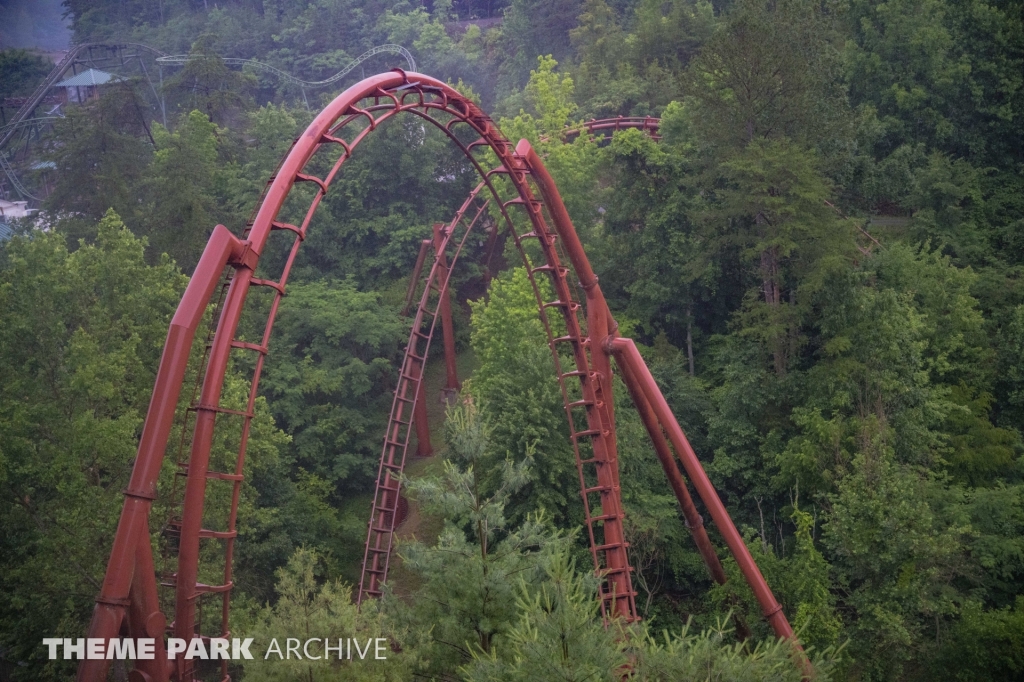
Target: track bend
(287, 77)
(384, 515)
(523, 193)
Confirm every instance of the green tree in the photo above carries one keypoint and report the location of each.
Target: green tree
(20, 72)
(663, 272)
(466, 600)
(985, 645)
(1010, 384)
(183, 185)
(771, 71)
(776, 203)
(308, 608)
(269, 132)
(558, 636)
(944, 73)
(518, 393)
(330, 376)
(896, 559)
(206, 84)
(708, 655)
(80, 340)
(533, 28)
(801, 579)
(637, 72)
(100, 150)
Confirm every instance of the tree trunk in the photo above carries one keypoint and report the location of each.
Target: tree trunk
(689, 339)
(770, 276)
(773, 297)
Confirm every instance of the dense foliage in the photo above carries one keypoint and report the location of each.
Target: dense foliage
(822, 258)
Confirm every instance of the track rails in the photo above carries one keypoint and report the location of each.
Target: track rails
(55, 75)
(580, 330)
(77, 51)
(408, 398)
(182, 59)
(384, 513)
(20, 118)
(6, 166)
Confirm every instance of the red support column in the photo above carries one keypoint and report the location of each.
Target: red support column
(668, 463)
(694, 521)
(626, 352)
(129, 587)
(452, 385)
(410, 293)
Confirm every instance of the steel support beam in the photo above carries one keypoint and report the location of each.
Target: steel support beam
(130, 580)
(627, 354)
(410, 292)
(452, 385)
(128, 600)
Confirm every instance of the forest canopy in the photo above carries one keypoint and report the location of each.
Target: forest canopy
(820, 256)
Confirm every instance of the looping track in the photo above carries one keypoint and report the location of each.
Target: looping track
(578, 323)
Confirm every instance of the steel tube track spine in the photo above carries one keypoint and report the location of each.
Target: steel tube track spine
(128, 597)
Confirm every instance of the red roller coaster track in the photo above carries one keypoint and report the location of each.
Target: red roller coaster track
(522, 192)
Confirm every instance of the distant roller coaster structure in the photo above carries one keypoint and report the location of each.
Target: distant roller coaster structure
(516, 189)
(123, 53)
(86, 52)
(287, 77)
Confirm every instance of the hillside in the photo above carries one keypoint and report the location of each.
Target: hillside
(820, 254)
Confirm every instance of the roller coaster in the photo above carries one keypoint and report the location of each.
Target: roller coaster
(124, 55)
(519, 193)
(287, 77)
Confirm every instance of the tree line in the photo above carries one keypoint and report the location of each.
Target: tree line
(821, 259)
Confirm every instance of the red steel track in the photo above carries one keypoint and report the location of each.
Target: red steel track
(433, 302)
(581, 332)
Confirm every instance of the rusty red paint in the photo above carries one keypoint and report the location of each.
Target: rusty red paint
(128, 599)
